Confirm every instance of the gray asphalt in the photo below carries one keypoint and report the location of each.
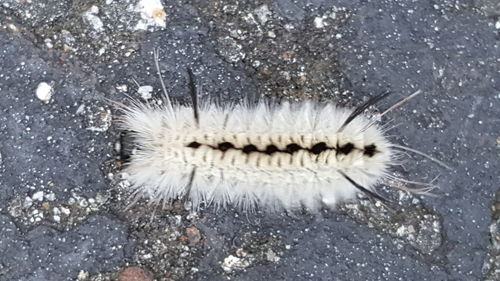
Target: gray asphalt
(62, 211)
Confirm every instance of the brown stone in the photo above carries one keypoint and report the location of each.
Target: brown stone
(193, 235)
(134, 273)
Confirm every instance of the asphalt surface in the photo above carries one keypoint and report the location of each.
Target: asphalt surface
(65, 64)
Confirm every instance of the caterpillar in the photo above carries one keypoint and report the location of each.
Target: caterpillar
(285, 156)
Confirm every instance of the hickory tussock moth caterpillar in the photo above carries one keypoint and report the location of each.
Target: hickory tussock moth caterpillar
(284, 156)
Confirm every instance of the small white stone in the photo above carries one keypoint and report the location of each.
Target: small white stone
(80, 109)
(122, 88)
(263, 13)
(145, 91)
(82, 275)
(318, 22)
(152, 14)
(50, 196)
(271, 256)
(188, 205)
(27, 202)
(271, 34)
(37, 196)
(12, 27)
(411, 229)
(177, 220)
(65, 211)
(44, 92)
(94, 10)
(230, 263)
(92, 19)
(48, 43)
(83, 203)
(401, 230)
(497, 25)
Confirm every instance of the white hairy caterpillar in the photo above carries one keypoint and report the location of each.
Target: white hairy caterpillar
(277, 157)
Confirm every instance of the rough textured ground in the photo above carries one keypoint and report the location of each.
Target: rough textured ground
(62, 212)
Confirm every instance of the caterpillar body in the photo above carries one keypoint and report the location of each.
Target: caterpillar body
(277, 157)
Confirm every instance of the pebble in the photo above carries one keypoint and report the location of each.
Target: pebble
(145, 91)
(134, 273)
(91, 16)
(38, 196)
(193, 235)
(152, 14)
(44, 92)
